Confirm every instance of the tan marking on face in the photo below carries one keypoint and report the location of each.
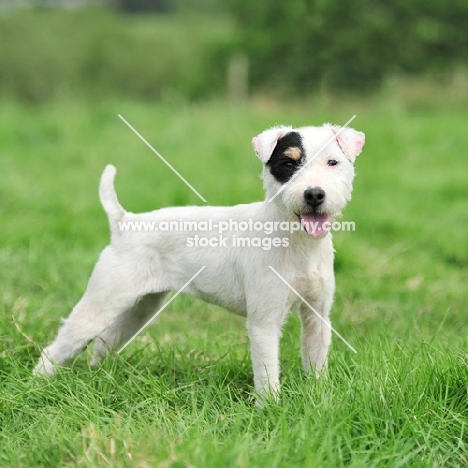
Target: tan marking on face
(294, 153)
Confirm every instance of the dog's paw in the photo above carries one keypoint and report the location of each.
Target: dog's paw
(44, 368)
(267, 396)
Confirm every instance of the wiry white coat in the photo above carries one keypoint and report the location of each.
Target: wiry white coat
(138, 268)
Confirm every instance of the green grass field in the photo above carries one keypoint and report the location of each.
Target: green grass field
(180, 395)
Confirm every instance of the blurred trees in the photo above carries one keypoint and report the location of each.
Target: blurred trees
(96, 53)
(144, 6)
(301, 44)
(294, 46)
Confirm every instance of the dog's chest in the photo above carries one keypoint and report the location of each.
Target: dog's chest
(309, 286)
(312, 274)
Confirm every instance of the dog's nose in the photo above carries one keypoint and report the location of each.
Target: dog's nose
(314, 197)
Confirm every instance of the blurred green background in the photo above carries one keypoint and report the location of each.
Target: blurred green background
(191, 50)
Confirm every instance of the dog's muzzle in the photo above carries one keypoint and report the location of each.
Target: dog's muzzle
(315, 224)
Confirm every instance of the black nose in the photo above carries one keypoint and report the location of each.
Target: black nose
(314, 197)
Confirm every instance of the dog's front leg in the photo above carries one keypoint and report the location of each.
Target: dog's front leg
(316, 336)
(264, 346)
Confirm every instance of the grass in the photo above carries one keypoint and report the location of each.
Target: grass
(180, 395)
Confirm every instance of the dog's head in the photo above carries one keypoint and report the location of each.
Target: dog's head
(308, 172)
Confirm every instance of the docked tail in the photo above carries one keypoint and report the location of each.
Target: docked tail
(108, 197)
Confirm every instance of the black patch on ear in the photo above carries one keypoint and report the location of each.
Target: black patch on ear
(282, 167)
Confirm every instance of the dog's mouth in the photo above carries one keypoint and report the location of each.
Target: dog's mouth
(315, 224)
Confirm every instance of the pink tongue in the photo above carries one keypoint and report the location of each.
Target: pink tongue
(314, 224)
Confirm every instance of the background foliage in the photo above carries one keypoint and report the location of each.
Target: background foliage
(303, 44)
(92, 53)
(294, 48)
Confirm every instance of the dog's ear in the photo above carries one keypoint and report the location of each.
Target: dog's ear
(351, 141)
(265, 143)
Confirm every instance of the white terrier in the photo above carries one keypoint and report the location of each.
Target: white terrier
(307, 174)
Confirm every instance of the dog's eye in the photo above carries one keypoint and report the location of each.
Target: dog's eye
(332, 162)
(288, 164)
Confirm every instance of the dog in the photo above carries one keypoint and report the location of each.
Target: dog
(307, 174)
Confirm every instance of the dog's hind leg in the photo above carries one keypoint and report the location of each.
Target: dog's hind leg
(112, 290)
(89, 318)
(129, 323)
